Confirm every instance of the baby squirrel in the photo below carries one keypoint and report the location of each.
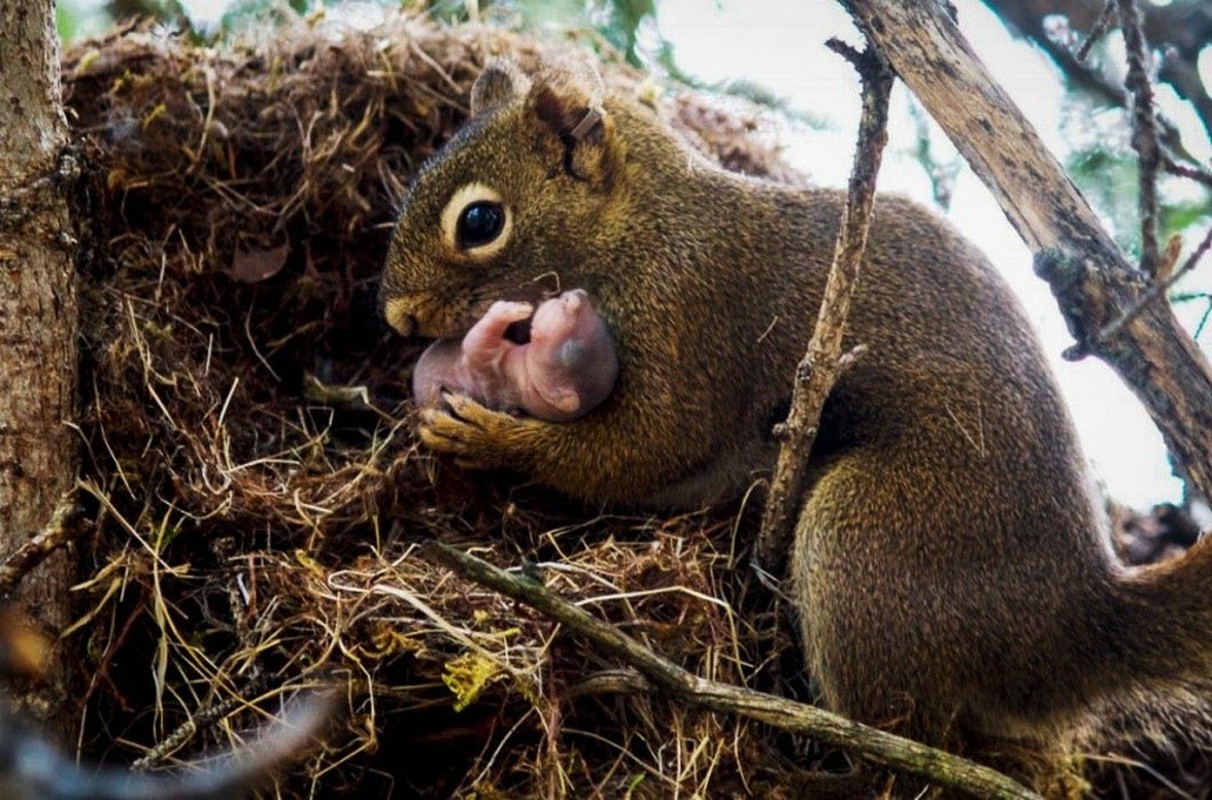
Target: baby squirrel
(566, 368)
(952, 568)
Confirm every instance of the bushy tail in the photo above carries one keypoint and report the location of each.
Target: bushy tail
(1161, 642)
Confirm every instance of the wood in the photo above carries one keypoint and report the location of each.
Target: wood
(38, 319)
(1094, 284)
(825, 362)
(878, 746)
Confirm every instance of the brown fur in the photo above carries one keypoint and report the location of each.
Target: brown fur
(951, 567)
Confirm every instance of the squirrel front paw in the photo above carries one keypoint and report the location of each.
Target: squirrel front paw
(479, 437)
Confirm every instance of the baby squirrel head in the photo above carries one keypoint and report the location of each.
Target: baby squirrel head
(505, 210)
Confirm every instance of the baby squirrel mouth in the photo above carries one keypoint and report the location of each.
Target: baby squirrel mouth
(518, 332)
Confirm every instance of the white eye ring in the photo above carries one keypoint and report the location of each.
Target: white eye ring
(459, 202)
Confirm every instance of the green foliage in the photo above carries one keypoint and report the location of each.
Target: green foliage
(449, 11)
(1104, 166)
(1184, 216)
(618, 22)
(67, 20)
(622, 23)
(75, 20)
(1108, 179)
(241, 13)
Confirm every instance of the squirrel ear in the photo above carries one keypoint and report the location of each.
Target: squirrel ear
(500, 81)
(568, 102)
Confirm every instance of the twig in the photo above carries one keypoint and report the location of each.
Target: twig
(824, 362)
(1096, 32)
(200, 721)
(1158, 289)
(881, 747)
(1024, 17)
(1186, 170)
(1144, 134)
(35, 769)
(63, 527)
(1203, 320)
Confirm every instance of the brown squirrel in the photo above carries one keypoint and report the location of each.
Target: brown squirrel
(952, 566)
(564, 370)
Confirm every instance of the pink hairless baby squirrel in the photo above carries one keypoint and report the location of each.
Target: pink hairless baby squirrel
(568, 367)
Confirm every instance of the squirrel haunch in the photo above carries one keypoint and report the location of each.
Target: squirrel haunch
(566, 369)
(952, 567)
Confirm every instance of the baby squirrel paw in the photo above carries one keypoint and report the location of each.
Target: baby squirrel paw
(478, 437)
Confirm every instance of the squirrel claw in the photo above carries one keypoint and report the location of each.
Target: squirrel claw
(477, 437)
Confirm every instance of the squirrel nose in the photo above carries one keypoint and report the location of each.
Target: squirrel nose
(399, 313)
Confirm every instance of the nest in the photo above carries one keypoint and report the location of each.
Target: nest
(257, 489)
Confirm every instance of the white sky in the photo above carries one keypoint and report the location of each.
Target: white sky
(779, 45)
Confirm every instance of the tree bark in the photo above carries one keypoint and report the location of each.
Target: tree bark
(1096, 287)
(38, 357)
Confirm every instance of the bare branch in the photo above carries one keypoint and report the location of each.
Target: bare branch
(1159, 288)
(1179, 29)
(61, 530)
(824, 362)
(33, 769)
(1093, 282)
(1096, 33)
(1196, 174)
(1144, 130)
(883, 748)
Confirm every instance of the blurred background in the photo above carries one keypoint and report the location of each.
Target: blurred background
(772, 52)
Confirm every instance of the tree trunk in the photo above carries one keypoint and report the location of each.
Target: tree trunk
(38, 359)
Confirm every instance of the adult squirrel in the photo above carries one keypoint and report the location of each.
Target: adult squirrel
(952, 567)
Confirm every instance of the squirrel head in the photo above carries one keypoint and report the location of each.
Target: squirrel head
(505, 209)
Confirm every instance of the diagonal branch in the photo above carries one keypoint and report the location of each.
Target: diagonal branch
(883, 748)
(1093, 282)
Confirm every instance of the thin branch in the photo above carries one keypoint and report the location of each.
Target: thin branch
(1158, 289)
(202, 720)
(1179, 70)
(1027, 19)
(1187, 171)
(35, 769)
(1093, 282)
(824, 361)
(886, 749)
(1203, 320)
(1196, 255)
(1100, 27)
(1144, 130)
(63, 527)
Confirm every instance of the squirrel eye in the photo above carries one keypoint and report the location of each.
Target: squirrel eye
(479, 223)
(476, 222)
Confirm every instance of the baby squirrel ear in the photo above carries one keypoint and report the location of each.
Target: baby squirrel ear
(500, 81)
(567, 100)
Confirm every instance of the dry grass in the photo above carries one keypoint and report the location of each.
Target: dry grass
(258, 491)
(256, 485)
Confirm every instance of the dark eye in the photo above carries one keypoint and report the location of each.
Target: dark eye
(480, 223)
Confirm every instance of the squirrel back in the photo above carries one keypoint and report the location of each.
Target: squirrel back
(952, 567)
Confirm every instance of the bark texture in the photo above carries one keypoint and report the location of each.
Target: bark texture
(38, 360)
(1096, 287)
